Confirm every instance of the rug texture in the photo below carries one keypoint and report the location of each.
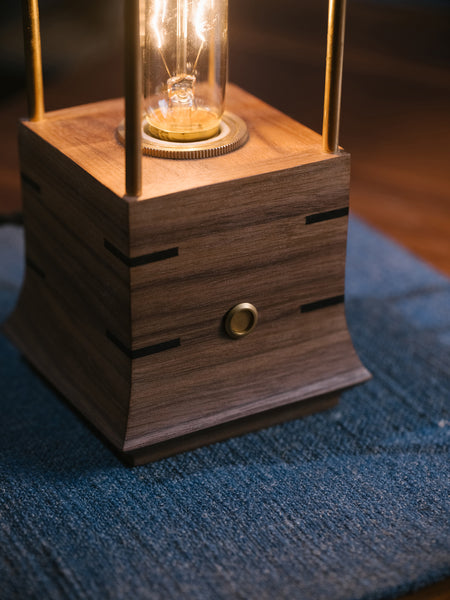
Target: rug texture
(348, 504)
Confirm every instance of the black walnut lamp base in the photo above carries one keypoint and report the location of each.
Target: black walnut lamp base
(124, 300)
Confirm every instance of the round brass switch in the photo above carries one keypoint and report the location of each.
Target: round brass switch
(241, 320)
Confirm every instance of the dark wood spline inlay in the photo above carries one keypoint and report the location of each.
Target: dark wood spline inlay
(32, 265)
(326, 216)
(147, 351)
(144, 259)
(30, 182)
(322, 303)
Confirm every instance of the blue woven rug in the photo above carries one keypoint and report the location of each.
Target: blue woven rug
(348, 504)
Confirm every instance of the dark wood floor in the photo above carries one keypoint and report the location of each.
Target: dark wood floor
(395, 112)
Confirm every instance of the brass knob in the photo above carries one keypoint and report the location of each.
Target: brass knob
(241, 320)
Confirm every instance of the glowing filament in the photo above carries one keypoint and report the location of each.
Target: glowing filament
(188, 38)
(200, 20)
(159, 16)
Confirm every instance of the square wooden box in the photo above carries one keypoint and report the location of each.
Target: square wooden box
(123, 303)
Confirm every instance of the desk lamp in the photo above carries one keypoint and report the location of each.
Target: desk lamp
(184, 263)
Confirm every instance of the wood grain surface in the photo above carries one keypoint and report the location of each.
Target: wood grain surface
(87, 136)
(437, 591)
(237, 427)
(147, 283)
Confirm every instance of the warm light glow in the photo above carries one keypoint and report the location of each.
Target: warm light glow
(159, 17)
(200, 19)
(186, 75)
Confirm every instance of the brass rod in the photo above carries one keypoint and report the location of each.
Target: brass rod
(33, 59)
(133, 99)
(333, 75)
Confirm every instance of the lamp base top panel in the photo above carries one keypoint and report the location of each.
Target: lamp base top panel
(87, 135)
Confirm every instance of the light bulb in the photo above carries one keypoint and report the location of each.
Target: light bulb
(185, 67)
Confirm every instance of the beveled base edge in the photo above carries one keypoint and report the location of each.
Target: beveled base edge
(235, 428)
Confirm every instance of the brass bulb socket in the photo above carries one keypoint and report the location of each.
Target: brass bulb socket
(233, 135)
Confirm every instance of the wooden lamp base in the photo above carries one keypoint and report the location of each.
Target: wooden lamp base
(124, 301)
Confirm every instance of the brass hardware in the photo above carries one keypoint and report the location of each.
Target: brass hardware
(164, 132)
(333, 75)
(33, 59)
(233, 134)
(133, 99)
(241, 320)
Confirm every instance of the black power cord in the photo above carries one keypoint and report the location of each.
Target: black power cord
(15, 218)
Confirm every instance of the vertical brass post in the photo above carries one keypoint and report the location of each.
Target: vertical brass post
(133, 99)
(33, 59)
(333, 75)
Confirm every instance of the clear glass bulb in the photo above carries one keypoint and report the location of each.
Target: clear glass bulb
(185, 67)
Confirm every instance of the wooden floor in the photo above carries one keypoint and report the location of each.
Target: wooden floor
(395, 111)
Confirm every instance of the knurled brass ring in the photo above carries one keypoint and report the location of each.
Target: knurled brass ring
(241, 320)
(232, 135)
